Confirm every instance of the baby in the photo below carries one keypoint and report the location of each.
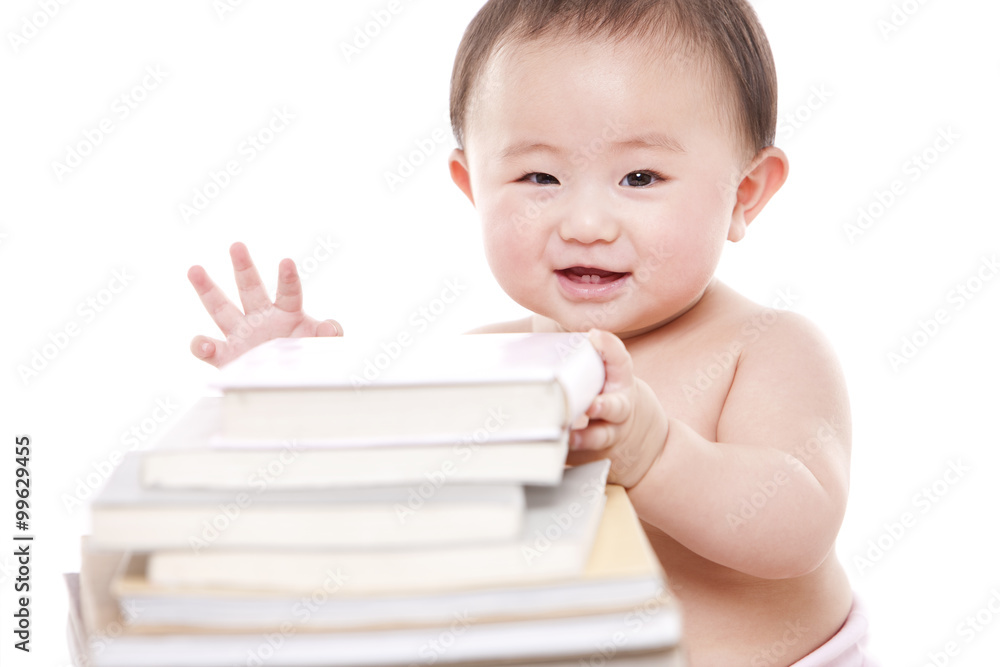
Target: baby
(611, 147)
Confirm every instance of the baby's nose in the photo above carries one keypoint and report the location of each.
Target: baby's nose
(589, 219)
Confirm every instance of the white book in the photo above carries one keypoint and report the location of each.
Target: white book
(126, 515)
(191, 455)
(93, 651)
(106, 642)
(481, 386)
(555, 543)
(622, 573)
(100, 636)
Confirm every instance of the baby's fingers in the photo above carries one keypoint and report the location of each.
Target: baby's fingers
(329, 328)
(617, 360)
(604, 441)
(206, 349)
(578, 457)
(219, 307)
(614, 407)
(289, 297)
(225, 314)
(597, 436)
(253, 295)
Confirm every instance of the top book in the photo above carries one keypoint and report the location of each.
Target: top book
(475, 387)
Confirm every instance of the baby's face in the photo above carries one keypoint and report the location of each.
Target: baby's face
(603, 178)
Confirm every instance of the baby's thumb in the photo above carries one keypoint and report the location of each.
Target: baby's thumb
(204, 348)
(328, 328)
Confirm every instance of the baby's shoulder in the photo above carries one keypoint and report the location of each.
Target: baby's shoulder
(768, 331)
(780, 342)
(774, 328)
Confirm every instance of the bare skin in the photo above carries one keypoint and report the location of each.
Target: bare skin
(732, 617)
(727, 422)
(261, 319)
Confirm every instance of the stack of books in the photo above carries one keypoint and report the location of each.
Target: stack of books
(343, 505)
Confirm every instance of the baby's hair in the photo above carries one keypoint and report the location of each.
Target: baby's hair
(724, 35)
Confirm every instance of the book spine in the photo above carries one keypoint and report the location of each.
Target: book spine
(581, 376)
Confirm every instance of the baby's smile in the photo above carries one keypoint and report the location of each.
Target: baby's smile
(589, 283)
(563, 232)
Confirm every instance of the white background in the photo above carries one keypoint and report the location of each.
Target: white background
(887, 96)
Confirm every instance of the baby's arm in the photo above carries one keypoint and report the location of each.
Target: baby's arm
(260, 320)
(768, 495)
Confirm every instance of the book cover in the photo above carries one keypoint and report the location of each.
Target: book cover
(483, 386)
(127, 515)
(560, 524)
(622, 572)
(191, 455)
(113, 645)
(103, 637)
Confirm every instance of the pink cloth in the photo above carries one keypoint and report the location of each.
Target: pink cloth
(847, 647)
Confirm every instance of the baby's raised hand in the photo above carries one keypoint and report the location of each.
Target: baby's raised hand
(260, 320)
(627, 422)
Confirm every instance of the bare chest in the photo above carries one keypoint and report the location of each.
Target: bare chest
(691, 374)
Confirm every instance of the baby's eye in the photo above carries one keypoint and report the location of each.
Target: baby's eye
(540, 179)
(640, 179)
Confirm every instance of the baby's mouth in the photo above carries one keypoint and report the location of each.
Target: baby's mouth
(589, 275)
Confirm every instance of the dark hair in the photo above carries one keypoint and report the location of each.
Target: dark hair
(724, 34)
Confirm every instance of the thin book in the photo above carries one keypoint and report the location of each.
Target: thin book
(507, 387)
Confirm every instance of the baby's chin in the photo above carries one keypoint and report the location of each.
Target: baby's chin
(584, 324)
(629, 317)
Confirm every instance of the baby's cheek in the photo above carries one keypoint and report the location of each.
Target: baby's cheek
(514, 266)
(511, 274)
(506, 249)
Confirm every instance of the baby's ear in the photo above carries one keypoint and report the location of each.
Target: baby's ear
(765, 176)
(458, 165)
